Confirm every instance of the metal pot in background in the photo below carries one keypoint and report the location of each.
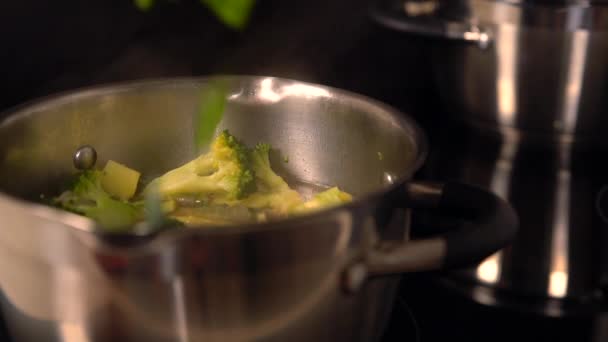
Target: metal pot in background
(534, 66)
(558, 265)
(311, 278)
(525, 83)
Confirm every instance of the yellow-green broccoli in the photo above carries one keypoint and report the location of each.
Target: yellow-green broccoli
(273, 193)
(87, 197)
(221, 176)
(230, 184)
(325, 199)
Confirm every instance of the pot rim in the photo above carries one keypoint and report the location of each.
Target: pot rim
(82, 223)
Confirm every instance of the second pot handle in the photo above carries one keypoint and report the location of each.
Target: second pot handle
(490, 225)
(420, 17)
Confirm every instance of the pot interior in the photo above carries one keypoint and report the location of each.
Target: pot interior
(322, 136)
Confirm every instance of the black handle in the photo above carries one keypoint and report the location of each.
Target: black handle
(490, 223)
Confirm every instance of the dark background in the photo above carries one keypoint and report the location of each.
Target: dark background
(52, 46)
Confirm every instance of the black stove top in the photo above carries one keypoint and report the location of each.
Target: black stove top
(426, 311)
(329, 42)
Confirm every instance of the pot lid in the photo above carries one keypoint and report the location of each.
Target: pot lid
(436, 17)
(558, 15)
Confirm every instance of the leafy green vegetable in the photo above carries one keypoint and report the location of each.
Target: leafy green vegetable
(153, 205)
(260, 158)
(222, 175)
(273, 193)
(229, 184)
(211, 111)
(326, 199)
(233, 13)
(144, 5)
(87, 197)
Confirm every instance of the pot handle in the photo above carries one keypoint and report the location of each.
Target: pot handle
(420, 17)
(490, 225)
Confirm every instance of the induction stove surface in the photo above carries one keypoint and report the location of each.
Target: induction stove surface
(425, 311)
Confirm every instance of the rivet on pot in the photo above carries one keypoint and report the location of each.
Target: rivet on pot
(85, 157)
(354, 277)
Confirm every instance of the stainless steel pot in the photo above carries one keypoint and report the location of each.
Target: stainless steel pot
(558, 264)
(314, 278)
(531, 66)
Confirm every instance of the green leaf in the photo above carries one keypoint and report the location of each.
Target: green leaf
(210, 113)
(233, 13)
(113, 215)
(144, 5)
(153, 207)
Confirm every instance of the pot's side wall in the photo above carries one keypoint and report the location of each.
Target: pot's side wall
(537, 80)
(272, 285)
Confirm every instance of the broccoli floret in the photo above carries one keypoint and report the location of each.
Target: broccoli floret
(266, 178)
(87, 197)
(221, 176)
(322, 200)
(273, 193)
